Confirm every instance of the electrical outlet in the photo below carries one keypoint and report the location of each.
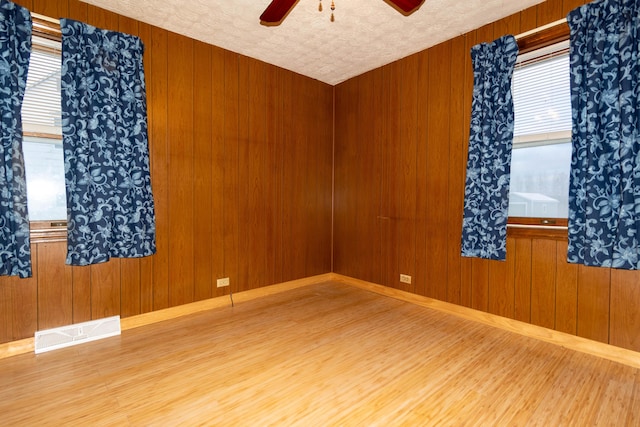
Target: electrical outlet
(404, 278)
(223, 282)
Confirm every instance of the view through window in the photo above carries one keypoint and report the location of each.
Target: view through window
(542, 134)
(42, 143)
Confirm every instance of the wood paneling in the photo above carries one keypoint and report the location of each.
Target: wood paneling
(181, 170)
(535, 284)
(158, 105)
(55, 286)
(229, 195)
(243, 190)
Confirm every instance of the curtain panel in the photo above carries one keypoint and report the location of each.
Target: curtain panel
(604, 188)
(486, 195)
(15, 52)
(110, 205)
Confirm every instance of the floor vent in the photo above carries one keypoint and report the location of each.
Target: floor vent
(65, 336)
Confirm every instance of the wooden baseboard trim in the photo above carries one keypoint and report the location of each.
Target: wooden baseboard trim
(606, 351)
(223, 301)
(26, 345)
(572, 342)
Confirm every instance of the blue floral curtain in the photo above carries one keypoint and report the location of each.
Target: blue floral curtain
(486, 195)
(604, 188)
(15, 52)
(104, 124)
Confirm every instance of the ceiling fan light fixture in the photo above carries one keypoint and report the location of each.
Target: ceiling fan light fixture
(406, 7)
(275, 13)
(278, 10)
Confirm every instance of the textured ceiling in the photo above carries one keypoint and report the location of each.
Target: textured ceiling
(366, 34)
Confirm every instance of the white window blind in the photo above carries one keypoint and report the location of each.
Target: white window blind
(542, 98)
(42, 143)
(41, 106)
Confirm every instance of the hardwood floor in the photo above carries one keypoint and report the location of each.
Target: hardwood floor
(319, 355)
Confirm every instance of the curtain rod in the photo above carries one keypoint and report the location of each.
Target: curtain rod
(542, 28)
(46, 27)
(45, 18)
(543, 36)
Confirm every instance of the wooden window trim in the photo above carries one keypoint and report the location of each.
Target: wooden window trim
(546, 228)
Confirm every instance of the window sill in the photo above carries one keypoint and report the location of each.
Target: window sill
(537, 228)
(48, 231)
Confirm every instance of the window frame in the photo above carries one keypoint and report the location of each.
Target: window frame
(539, 227)
(48, 230)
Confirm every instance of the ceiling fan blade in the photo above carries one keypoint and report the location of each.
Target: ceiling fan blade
(406, 7)
(277, 10)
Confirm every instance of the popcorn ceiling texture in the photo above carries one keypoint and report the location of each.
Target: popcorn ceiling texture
(366, 34)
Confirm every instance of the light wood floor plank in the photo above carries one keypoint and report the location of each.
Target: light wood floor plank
(318, 355)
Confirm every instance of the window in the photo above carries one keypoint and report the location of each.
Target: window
(42, 143)
(542, 134)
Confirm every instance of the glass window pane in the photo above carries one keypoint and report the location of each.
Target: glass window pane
(540, 181)
(42, 144)
(44, 168)
(542, 136)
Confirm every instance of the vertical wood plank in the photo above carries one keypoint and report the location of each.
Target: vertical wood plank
(55, 286)
(386, 271)
(81, 294)
(181, 174)
(569, 5)
(130, 289)
(202, 165)
(105, 289)
(407, 169)
(346, 151)
(217, 167)
(543, 282)
(157, 104)
(437, 169)
(593, 303)
(245, 253)
(549, 11)
(625, 315)
(231, 168)
(6, 310)
(457, 167)
(523, 280)
(480, 284)
(24, 295)
(501, 283)
(52, 9)
(528, 19)
(566, 291)
(319, 260)
(366, 177)
(423, 251)
(295, 182)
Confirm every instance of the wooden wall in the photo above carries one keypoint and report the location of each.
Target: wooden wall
(241, 157)
(401, 141)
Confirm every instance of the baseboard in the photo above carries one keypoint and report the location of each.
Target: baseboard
(584, 345)
(27, 345)
(595, 348)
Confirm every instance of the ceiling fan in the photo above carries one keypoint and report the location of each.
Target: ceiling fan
(278, 10)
